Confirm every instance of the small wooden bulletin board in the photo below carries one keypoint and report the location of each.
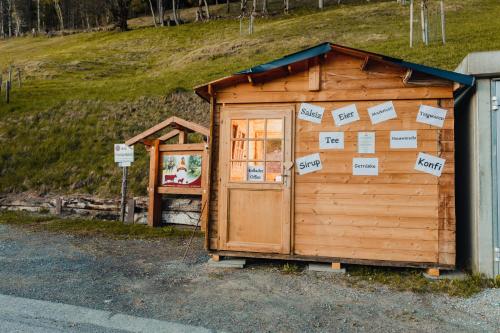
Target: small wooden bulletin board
(175, 168)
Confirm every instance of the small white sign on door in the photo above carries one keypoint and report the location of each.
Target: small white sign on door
(309, 163)
(366, 142)
(382, 112)
(331, 140)
(310, 112)
(255, 173)
(403, 139)
(365, 166)
(345, 115)
(430, 164)
(431, 115)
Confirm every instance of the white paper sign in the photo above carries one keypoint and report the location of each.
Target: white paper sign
(255, 173)
(345, 115)
(403, 139)
(123, 153)
(382, 112)
(429, 164)
(309, 163)
(366, 142)
(431, 115)
(331, 140)
(365, 166)
(312, 113)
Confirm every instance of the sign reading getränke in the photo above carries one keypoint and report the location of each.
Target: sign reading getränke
(382, 112)
(310, 112)
(429, 164)
(345, 115)
(431, 115)
(309, 163)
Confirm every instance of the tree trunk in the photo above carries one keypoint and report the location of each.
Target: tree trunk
(265, 11)
(228, 7)
(207, 11)
(38, 16)
(443, 22)
(152, 12)
(59, 13)
(422, 21)
(160, 13)
(286, 6)
(174, 12)
(2, 33)
(411, 23)
(320, 4)
(252, 16)
(9, 17)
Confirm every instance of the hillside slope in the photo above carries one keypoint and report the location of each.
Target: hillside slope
(85, 92)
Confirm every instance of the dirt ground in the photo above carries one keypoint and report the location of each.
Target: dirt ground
(148, 279)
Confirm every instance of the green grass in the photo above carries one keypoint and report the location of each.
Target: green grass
(90, 227)
(84, 92)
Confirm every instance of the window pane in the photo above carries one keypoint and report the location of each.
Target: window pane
(256, 128)
(256, 150)
(239, 129)
(275, 128)
(273, 172)
(255, 172)
(274, 150)
(239, 150)
(237, 172)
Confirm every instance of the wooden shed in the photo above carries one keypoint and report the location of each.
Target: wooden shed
(334, 154)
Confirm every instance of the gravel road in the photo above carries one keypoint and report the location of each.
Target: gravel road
(147, 279)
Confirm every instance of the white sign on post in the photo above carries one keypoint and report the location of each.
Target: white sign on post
(430, 164)
(365, 166)
(431, 115)
(309, 163)
(382, 112)
(312, 113)
(124, 153)
(403, 139)
(345, 115)
(366, 142)
(255, 173)
(331, 140)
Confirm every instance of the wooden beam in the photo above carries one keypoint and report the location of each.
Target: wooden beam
(182, 137)
(154, 204)
(433, 272)
(407, 76)
(314, 75)
(179, 190)
(183, 147)
(336, 265)
(192, 126)
(364, 65)
(169, 135)
(209, 168)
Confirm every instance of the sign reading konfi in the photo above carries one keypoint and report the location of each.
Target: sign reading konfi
(312, 113)
(431, 115)
(382, 112)
(429, 164)
(309, 163)
(345, 115)
(365, 166)
(403, 139)
(331, 140)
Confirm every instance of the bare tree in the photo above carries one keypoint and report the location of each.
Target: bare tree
(174, 12)
(60, 17)
(320, 4)
(161, 13)
(265, 4)
(119, 12)
(443, 22)
(411, 23)
(152, 12)
(252, 16)
(286, 6)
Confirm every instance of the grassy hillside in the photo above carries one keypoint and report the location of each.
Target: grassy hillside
(86, 91)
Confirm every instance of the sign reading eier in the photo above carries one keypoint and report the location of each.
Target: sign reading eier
(312, 113)
(403, 139)
(431, 115)
(345, 115)
(429, 164)
(365, 166)
(382, 112)
(331, 140)
(309, 163)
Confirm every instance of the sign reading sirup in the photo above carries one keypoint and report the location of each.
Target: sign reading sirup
(429, 164)
(312, 113)
(345, 115)
(309, 163)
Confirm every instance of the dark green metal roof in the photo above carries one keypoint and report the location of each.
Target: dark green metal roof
(323, 48)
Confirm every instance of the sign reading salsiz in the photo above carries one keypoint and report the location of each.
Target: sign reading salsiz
(431, 115)
(312, 113)
(382, 112)
(429, 164)
(365, 166)
(331, 140)
(309, 163)
(255, 173)
(345, 115)
(403, 139)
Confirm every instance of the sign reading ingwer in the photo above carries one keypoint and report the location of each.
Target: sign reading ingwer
(430, 164)
(431, 115)
(309, 163)
(312, 113)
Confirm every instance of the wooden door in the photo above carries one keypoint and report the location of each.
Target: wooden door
(256, 180)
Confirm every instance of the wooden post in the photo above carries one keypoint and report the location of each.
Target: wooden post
(124, 193)
(130, 211)
(154, 160)
(58, 206)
